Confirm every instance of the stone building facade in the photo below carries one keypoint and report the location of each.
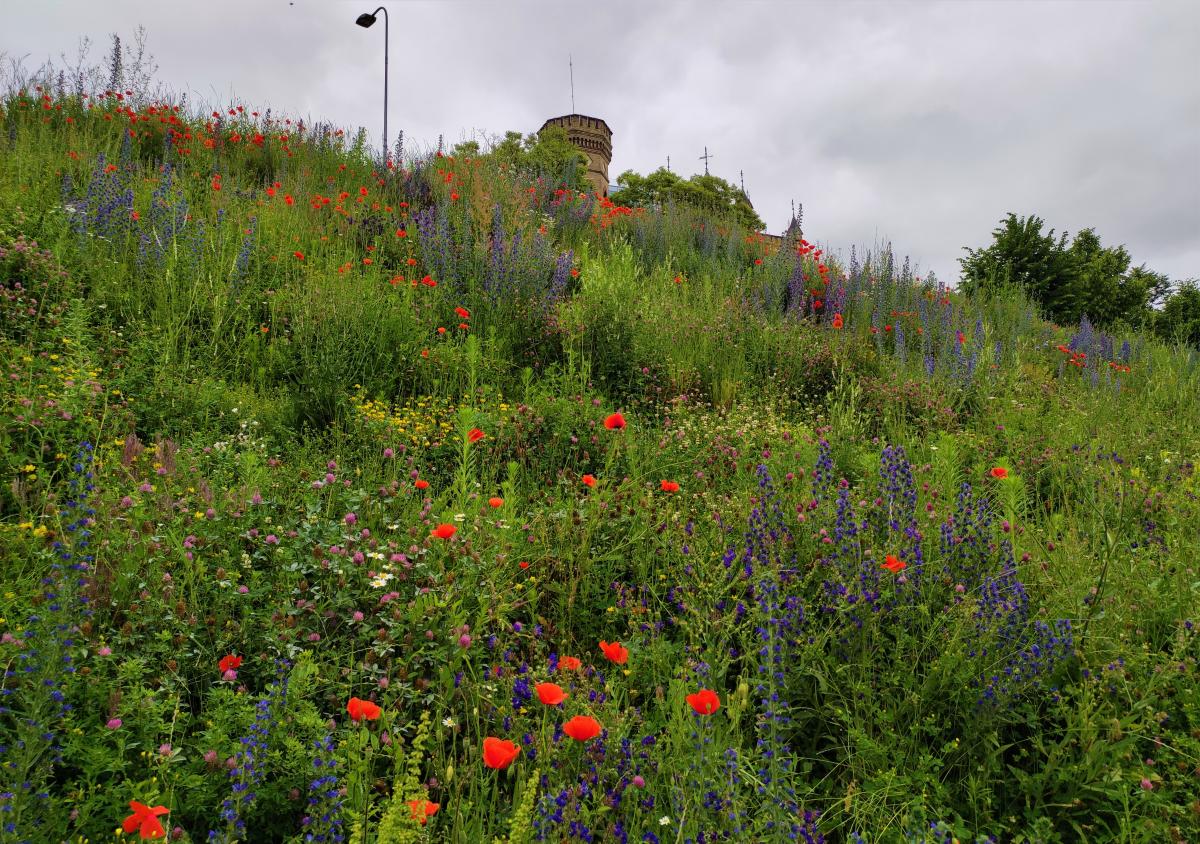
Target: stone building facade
(593, 138)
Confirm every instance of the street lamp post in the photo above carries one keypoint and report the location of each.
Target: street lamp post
(365, 21)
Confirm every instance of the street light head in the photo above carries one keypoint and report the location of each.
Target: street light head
(365, 20)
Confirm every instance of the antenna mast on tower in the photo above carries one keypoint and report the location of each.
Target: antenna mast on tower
(571, 64)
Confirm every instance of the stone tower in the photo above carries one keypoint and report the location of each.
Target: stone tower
(593, 138)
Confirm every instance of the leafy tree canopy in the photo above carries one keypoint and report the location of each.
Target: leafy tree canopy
(708, 193)
(1068, 280)
(548, 155)
(1179, 318)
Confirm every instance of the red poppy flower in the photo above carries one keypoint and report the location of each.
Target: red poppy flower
(614, 422)
(360, 709)
(999, 472)
(462, 312)
(475, 435)
(498, 754)
(758, 262)
(894, 564)
(401, 233)
(288, 199)
(582, 728)
(669, 486)
(615, 652)
(454, 196)
(589, 480)
(962, 338)
(704, 702)
(444, 531)
(569, 663)
(550, 694)
(523, 564)
(229, 661)
(145, 820)
(421, 483)
(299, 255)
(837, 320)
(495, 502)
(423, 810)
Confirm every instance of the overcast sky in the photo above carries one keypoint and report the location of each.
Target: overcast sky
(922, 123)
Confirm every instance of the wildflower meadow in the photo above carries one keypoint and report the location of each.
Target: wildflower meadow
(433, 498)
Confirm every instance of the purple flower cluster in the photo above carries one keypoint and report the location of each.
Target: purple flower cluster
(323, 823)
(248, 773)
(33, 695)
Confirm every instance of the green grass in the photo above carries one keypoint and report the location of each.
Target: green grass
(262, 384)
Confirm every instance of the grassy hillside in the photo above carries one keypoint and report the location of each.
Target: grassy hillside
(325, 481)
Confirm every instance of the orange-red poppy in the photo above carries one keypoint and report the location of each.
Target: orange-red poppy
(615, 652)
(229, 661)
(423, 810)
(589, 480)
(614, 422)
(582, 728)
(145, 820)
(495, 502)
(569, 663)
(462, 312)
(999, 472)
(669, 486)
(498, 754)
(550, 694)
(360, 709)
(837, 320)
(421, 483)
(475, 435)
(894, 564)
(704, 702)
(444, 531)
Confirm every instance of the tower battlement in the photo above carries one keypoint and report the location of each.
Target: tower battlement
(592, 137)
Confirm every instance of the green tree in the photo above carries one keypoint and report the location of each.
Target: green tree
(1085, 277)
(547, 154)
(1179, 318)
(1021, 255)
(708, 193)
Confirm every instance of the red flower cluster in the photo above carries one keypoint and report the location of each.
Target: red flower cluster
(498, 754)
(704, 702)
(614, 652)
(582, 728)
(363, 710)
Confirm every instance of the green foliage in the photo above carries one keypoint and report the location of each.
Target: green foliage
(278, 426)
(1179, 318)
(547, 155)
(1083, 278)
(716, 197)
